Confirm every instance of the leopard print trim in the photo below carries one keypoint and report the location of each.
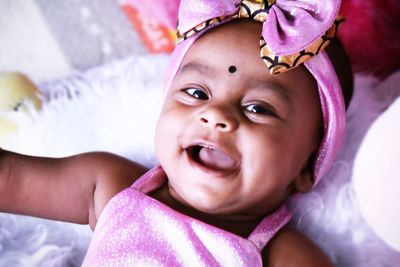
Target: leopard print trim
(207, 24)
(278, 64)
(256, 9)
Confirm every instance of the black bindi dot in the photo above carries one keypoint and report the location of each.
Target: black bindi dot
(232, 69)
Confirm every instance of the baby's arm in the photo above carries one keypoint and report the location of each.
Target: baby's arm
(291, 248)
(73, 189)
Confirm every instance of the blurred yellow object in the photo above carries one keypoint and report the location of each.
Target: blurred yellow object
(16, 91)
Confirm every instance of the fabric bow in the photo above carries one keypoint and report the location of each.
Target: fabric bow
(293, 30)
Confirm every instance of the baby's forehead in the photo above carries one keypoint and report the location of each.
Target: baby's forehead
(243, 30)
(235, 43)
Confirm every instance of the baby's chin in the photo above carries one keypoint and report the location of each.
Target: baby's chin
(201, 202)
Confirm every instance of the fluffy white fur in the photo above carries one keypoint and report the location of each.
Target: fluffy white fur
(115, 108)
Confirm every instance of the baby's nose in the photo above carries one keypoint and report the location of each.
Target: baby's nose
(218, 119)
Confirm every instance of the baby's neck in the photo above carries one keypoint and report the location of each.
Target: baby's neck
(237, 224)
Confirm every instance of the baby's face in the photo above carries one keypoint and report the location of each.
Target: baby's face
(232, 138)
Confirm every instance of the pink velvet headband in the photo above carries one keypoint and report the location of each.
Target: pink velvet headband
(294, 32)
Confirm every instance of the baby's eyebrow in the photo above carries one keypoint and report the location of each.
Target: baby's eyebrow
(281, 91)
(197, 67)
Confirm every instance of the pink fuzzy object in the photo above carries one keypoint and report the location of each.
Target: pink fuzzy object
(371, 35)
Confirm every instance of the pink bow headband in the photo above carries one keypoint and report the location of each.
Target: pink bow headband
(294, 32)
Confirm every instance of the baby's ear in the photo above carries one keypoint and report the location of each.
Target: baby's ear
(305, 180)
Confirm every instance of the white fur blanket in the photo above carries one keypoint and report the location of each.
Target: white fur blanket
(115, 108)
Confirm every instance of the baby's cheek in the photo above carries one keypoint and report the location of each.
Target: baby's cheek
(166, 138)
(268, 162)
(161, 137)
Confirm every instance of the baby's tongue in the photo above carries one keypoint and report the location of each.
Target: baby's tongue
(216, 159)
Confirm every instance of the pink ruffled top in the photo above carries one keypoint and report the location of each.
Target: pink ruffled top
(137, 230)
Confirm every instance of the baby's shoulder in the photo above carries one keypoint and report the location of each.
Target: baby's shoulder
(114, 175)
(290, 247)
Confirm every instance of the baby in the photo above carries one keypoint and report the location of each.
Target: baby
(235, 140)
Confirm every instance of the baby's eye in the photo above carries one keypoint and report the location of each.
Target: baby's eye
(260, 110)
(196, 93)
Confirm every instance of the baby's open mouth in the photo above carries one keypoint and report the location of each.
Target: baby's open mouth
(212, 158)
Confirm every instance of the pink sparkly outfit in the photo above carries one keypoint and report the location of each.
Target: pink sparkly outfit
(137, 230)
